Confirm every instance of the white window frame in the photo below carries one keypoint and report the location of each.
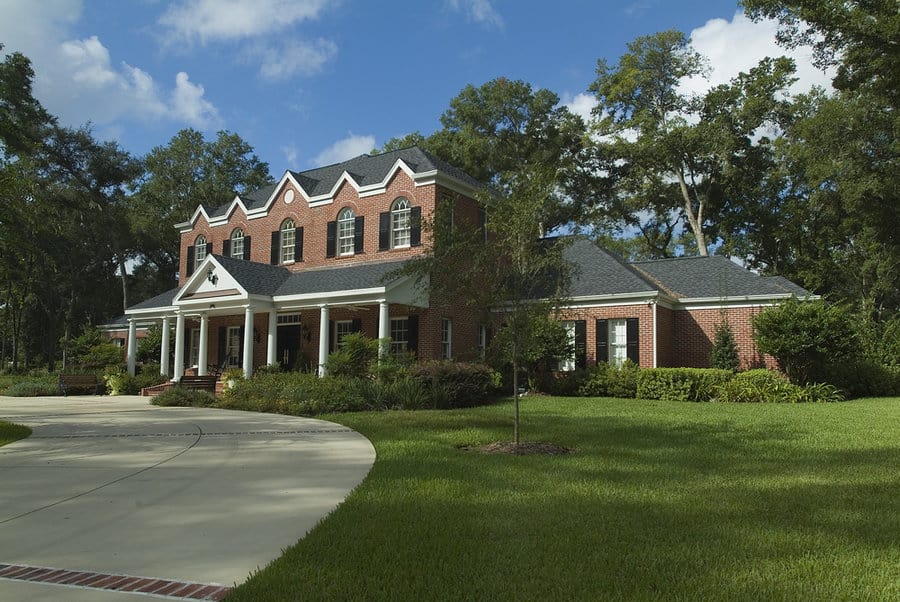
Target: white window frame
(237, 243)
(288, 240)
(288, 319)
(617, 341)
(346, 232)
(567, 364)
(194, 347)
(341, 329)
(199, 251)
(399, 325)
(401, 223)
(446, 338)
(482, 341)
(233, 346)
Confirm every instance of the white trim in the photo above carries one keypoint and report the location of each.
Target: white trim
(655, 331)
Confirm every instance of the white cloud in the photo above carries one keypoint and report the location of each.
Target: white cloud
(188, 102)
(211, 20)
(294, 58)
(290, 155)
(480, 11)
(738, 45)
(77, 79)
(344, 149)
(581, 104)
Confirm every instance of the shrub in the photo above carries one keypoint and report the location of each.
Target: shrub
(355, 357)
(454, 384)
(805, 336)
(295, 393)
(862, 377)
(606, 380)
(563, 384)
(33, 388)
(768, 386)
(681, 384)
(180, 396)
(119, 382)
(724, 355)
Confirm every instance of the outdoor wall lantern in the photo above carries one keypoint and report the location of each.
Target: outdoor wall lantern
(210, 275)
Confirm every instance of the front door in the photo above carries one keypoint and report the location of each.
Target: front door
(289, 346)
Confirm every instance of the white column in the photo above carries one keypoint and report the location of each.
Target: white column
(655, 332)
(384, 329)
(248, 342)
(132, 346)
(203, 353)
(178, 372)
(164, 348)
(272, 347)
(323, 339)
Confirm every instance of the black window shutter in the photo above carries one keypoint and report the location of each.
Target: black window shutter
(415, 234)
(358, 236)
(602, 341)
(241, 348)
(247, 248)
(356, 325)
(275, 256)
(632, 346)
(298, 244)
(223, 341)
(226, 247)
(412, 334)
(384, 231)
(580, 343)
(209, 248)
(331, 239)
(331, 337)
(190, 261)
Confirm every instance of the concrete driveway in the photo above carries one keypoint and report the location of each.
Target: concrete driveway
(108, 488)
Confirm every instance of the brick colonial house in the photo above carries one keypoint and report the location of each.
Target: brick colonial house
(282, 274)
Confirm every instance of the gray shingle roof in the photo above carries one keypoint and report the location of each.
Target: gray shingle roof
(160, 300)
(712, 277)
(255, 278)
(351, 277)
(599, 272)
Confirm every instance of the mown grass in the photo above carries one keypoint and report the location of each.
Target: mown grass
(661, 500)
(10, 432)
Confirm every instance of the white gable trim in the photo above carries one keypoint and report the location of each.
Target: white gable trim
(196, 283)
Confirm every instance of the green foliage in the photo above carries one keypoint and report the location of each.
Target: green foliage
(150, 346)
(295, 393)
(119, 382)
(355, 357)
(267, 369)
(863, 377)
(767, 386)
(561, 383)
(725, 352)
(804, 336)
(33, 388)
(607, 380)
(454, 384)
(10, 432)
(681, 384)
(188, 398)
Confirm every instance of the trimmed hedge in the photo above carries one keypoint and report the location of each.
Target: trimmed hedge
(681, 384)
(766, 386)
(606, 380)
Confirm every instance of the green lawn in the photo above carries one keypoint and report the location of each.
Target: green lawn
(660, 500)
(10, 432)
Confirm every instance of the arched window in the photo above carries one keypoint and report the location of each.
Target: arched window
(288, 240)
(400, 223)
(199, 251)
(237, 243)
(346, 231)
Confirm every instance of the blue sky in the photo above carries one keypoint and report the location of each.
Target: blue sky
(311, 82)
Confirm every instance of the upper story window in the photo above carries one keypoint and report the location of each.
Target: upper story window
(237, 243)
(346, 231)
(400, 223)
(199, 250)
(288, 241)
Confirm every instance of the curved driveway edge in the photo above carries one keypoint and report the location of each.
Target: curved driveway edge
(115, 485)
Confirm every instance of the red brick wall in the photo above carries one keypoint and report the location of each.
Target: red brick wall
(314, 221)
(695, 332)
(643, 312)
(665, 338)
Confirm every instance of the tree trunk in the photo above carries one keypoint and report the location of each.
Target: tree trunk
(694, 220)
(516, 394)
(124, 276)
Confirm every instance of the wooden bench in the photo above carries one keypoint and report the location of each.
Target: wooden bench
(204, 383)
(81, 382)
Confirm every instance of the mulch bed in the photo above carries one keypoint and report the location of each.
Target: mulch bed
(522, 449)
